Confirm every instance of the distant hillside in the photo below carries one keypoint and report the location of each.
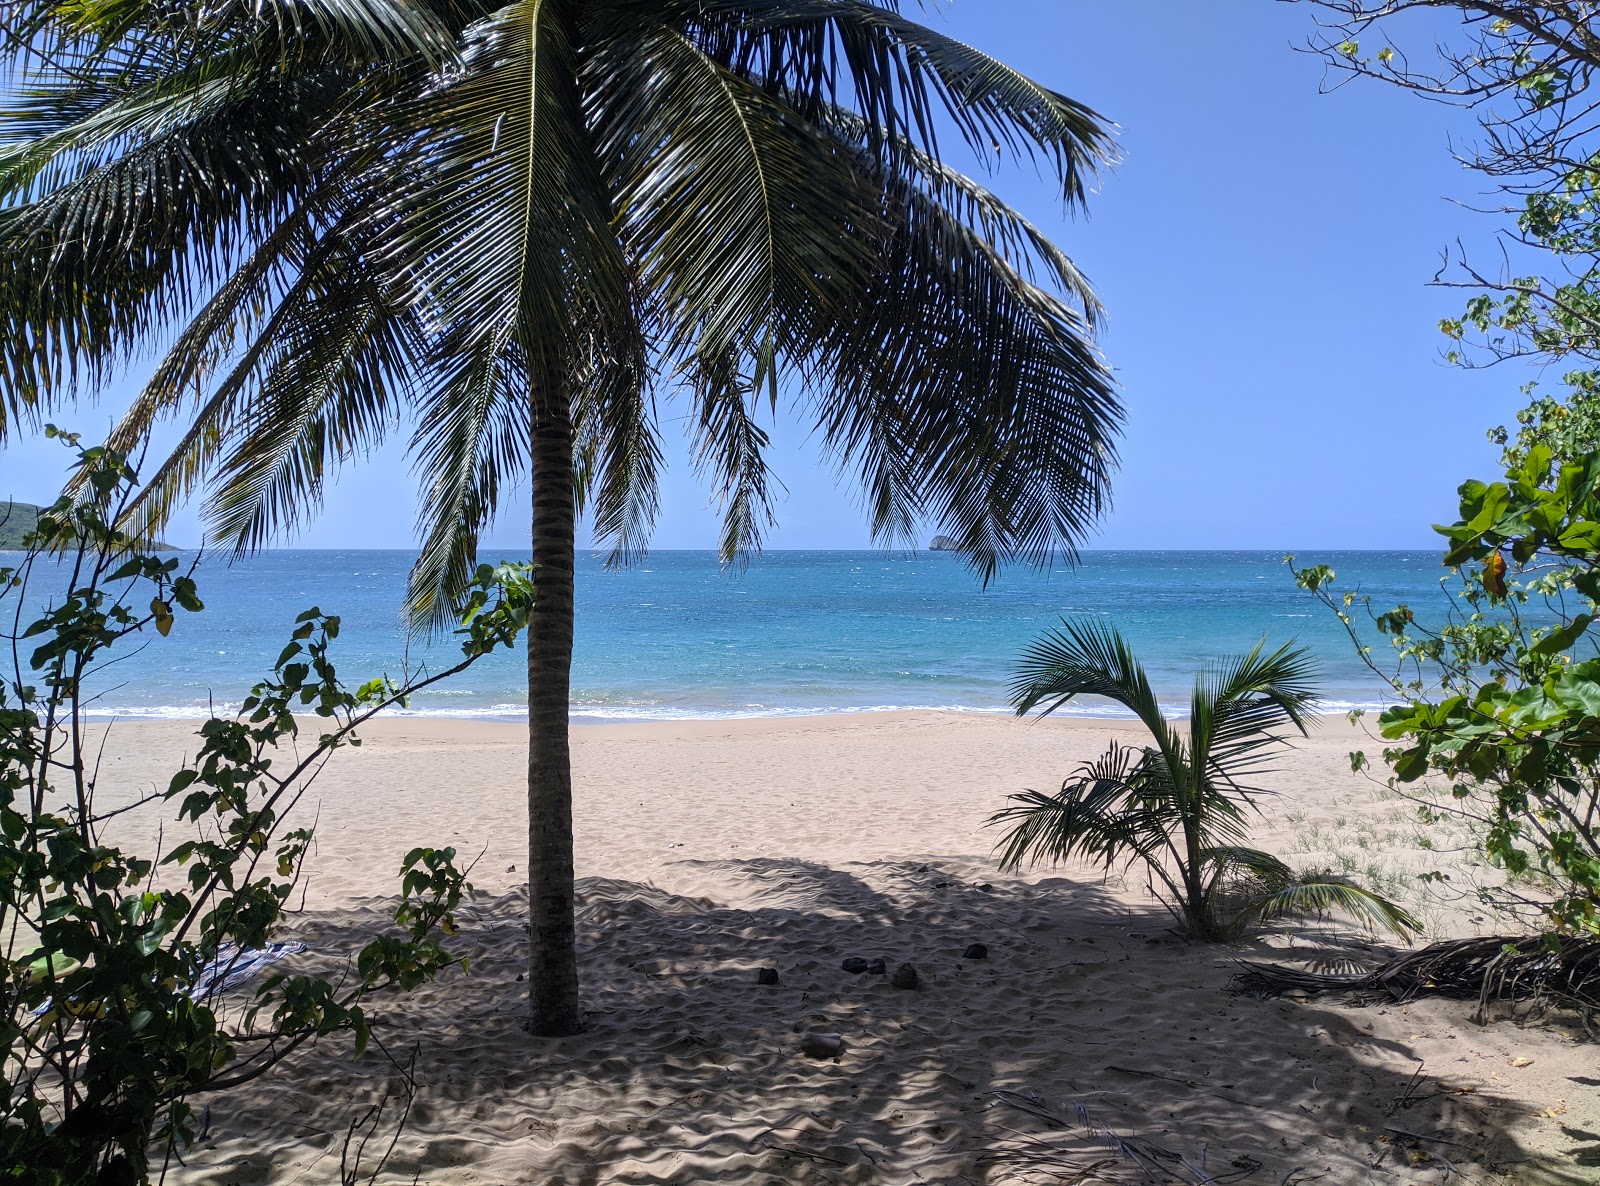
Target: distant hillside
(16, 520)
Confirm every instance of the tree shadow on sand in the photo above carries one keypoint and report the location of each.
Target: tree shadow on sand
(689, 1071)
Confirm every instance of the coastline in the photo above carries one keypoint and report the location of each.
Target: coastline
(585, 717)
(797, 633)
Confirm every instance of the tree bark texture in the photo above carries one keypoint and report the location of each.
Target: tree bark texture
(553, 968)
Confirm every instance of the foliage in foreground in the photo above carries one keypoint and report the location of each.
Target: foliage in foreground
(1523, 69)
(1500, 684)
(112, 960)
(1501, 696)
(1177, 807)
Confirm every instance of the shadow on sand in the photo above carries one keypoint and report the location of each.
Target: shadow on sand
(689, 1071)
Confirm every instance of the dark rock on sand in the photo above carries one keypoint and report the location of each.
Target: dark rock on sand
(767, 976)
(877, 968)
(975, 951)
(854, 964)
(905, 976)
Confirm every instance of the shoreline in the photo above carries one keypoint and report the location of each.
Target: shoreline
(581, 718)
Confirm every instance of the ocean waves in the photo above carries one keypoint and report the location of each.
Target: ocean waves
(797, 633)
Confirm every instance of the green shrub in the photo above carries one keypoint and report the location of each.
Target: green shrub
(1499, 695)
(104, 1035)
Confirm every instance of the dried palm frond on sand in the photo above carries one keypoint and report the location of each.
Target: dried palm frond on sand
(1566, 970)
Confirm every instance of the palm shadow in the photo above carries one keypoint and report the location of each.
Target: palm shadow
(690, 1071)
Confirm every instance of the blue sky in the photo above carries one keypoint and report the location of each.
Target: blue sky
(1263, 251)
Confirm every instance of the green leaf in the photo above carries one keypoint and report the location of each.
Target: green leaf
(1581, 537)
(1576, 690)
(1412, 764)
(1562, 638)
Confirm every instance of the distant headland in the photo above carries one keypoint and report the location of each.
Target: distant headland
(942, 543)
(18, 520)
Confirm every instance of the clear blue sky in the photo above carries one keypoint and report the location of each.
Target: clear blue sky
(1264, 253)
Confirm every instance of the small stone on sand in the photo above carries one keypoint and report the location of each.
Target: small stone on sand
(905, 976)
(854, 964)
(822, 1046)
(975, 951)
(767, 976)
(877, 968)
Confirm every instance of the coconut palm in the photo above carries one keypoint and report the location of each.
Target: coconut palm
(1179, 806)
(517, 227)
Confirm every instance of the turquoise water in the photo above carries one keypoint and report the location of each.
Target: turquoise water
(796, 632)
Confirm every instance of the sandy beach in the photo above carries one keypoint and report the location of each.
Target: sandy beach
(708, 850)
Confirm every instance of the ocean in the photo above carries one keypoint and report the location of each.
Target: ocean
(795, 632)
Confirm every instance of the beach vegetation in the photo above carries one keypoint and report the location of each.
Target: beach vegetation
(1498, 696)
(1523, 69)
(518, 229)
(117, 960)
(1497, 722)
(1179, 807)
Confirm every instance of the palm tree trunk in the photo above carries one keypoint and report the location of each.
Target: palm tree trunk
(553, 968)
(1193, 881)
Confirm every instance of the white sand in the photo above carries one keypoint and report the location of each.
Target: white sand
(709, 850)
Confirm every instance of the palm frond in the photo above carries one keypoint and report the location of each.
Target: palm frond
(1326, 894)
(616, 425)
(472, 438)
(1241, 705)
(1085, 657)
(255, 304)
(373, 30)
(1017, 239)
(735, 209)
(119, 249)
(1261, 865)
(901, 76)
(532, 247)
(1112, 811)
(143, 36)
(981, 391)
(321, 374)
(335, 384)
(500, 206)
(730, 447)
(954, 387)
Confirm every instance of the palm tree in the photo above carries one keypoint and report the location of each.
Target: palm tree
(1180, 805)
(518, 225)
